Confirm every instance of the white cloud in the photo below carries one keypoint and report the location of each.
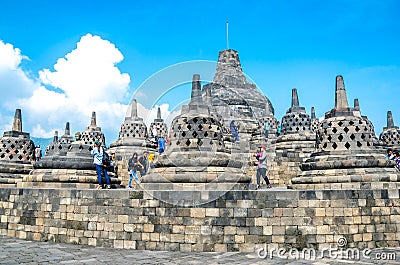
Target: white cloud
(87, 79)
(10, 57)
(88, 73)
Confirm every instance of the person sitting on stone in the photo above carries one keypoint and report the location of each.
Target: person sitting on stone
(97, 153)
(133, 166)
(262, 167)
(390, 154)
(234, 130)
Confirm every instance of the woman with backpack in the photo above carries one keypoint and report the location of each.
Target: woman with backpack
(98, 154)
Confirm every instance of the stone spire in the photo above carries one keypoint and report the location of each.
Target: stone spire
(67, 129)
(196, 90)
(229, 70)
(295, 98)
(67, 138)
(159, 113)
(356, 105)
(93, 119)
(17, 123)
(390, 123)
(134, 108)
(313, 113)
(55, 138)
(340, 96)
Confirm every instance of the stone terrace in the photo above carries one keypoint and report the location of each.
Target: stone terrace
(237, 221)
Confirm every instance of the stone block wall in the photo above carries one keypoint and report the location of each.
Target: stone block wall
(237, 221)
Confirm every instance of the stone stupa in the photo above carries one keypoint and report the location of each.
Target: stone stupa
(196, 158)
(92, 132)
(67, 164)
(295, 143)
(132, 138)
(16, 153)
(234, 98)
(346, 157)
(160, 125)
(390, 136)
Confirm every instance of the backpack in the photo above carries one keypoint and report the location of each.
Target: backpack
(106, 159)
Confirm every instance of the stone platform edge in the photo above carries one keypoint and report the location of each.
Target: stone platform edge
(209, 221)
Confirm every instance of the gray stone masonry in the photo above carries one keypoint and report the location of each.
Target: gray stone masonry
(293, 146)
(93, 132)
(390, 137)
(196, 153)
(238, 220)
(16, 153)
(346, 157)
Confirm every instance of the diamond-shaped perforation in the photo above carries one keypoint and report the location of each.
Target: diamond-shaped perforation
(347, 145)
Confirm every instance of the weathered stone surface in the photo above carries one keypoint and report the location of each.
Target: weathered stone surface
(390, 136)
(196, 153)
(16, 153)
(346, 156)
(92, 132)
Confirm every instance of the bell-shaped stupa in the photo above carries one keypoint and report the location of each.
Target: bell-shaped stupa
(346, 157)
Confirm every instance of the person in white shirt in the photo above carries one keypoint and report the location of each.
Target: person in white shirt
(97, 154)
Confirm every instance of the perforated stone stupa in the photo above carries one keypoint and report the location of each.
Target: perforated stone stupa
(16, 153)
(160, 125)
(346, 157)
(196, 157)
(93, 132)
(295, 143)
(390, 137)
(132, 138)
(67, 163)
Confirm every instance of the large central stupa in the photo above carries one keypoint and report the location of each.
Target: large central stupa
(232, 95)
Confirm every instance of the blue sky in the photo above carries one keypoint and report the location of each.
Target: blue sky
(282, 45)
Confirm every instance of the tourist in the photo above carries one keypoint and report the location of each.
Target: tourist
(262, 167)
(143, 160)
(97, 154)
(397, 160)
(154, 132)
(113, 164)
(234, 130)
(278, 130)
(151, 159)
(266, 129)
(38, 153)
(133, 166)
(389, 154)
(161, 145)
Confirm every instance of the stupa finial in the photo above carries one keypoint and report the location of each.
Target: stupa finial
(134, 108)
(390, 122)
(295, 98)
(93, 119)
(17, 123)
(341, 102)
